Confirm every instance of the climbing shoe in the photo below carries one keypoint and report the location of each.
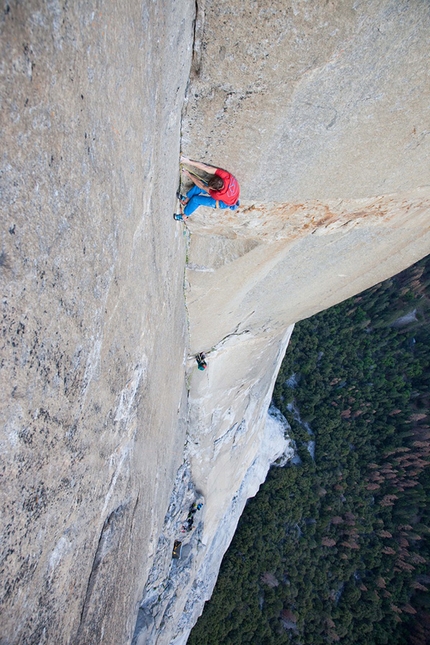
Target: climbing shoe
(178, 217)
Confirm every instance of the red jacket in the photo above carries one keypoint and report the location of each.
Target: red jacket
(229, 194)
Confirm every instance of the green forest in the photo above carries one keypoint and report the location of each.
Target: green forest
(335, 547)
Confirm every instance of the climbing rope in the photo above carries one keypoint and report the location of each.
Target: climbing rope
(194, 173)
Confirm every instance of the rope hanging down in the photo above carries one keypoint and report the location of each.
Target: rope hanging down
(195, 174)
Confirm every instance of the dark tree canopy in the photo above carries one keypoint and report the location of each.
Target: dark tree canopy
(336, 548)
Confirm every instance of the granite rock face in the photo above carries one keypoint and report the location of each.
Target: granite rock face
(313, 100)
(321, 109)
(109, 430)
(93, 401)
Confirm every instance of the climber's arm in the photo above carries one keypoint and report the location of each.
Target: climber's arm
(211, 170)
(196, 181)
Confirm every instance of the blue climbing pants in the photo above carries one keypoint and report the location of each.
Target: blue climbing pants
(199, 197)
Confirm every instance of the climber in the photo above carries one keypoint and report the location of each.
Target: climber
(221, 191)
(201, 361)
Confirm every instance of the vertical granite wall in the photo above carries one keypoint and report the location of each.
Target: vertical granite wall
(321, 110)
(92, 397)
(109, 431)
